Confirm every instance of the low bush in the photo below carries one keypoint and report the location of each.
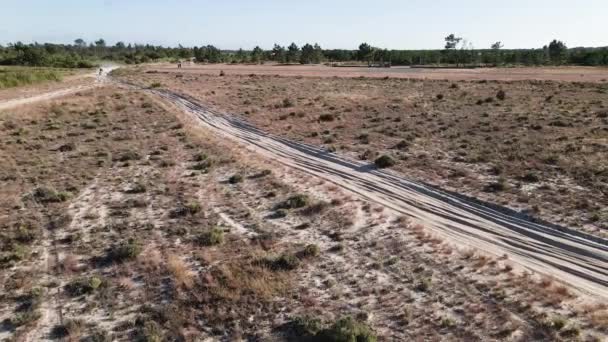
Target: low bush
(497, 186)
(136, 188)
(423, 285)
(178, 212)
(310, 251)
(287, 102)
(125, 251)
(284, 262)
(530, 177)
(327, 117)
(25, 318)
(315, 209)
(213, 237)
(501, 95)
(83, 286)
(295, 202)
(234, 179)
(384, 161)
(128, 156)
(71, 327)
(49, 195)
(345, 329)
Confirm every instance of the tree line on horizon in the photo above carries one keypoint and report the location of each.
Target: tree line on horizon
(457, 51)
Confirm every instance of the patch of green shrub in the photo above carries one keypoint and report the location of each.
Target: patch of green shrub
(49, 195)
(128, 155)
(83, 286)
(295, 202)
(125, 251)
(384, 161)
(25, 318)
(234, 179)
(311, 250)
(423, 285)
(213, 237)
(345, 329)
(327, 117)
(284, 262)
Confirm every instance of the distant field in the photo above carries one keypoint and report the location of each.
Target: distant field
(572, 74)
(11, 77)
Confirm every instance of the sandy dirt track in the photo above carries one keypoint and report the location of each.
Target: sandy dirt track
(571, 74)
(33, 96)
(575, 258)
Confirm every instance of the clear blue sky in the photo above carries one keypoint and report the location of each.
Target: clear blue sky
(231, 24)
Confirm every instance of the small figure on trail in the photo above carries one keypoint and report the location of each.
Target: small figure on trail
(179, 65)
(100, 71)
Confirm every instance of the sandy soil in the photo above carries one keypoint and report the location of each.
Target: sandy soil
(572, 74)
(385, 244)
(575, 258)
(543, 146)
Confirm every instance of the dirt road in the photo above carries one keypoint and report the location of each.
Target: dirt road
(572, 257)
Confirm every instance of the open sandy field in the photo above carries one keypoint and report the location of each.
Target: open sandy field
(538, 147)
(570, 74)
(189, 206)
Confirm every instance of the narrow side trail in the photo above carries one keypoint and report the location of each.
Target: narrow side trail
(575, 258)
(96, 81)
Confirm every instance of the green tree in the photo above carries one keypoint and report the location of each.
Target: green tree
(241, 56)
(208, 53)
(257, 55)
(307, 55)
(451, 44)
(80, 43)
(557, 51)
(365, 53)
(496, 52)
(293, 52)
(317, 54)
(278, 54)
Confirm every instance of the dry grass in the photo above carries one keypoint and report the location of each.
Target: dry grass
(182, 276)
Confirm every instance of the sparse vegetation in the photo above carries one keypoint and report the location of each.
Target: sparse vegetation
(345, 329)
(295, 202)
(49, 195)
(189, 257)
(125, 251)
(214, 236)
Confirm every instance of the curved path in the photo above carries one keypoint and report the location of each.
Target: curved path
(99, 81)
(572, 257)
